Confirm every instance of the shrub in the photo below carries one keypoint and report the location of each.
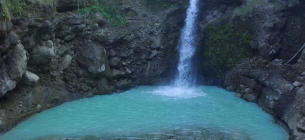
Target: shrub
(109, 10)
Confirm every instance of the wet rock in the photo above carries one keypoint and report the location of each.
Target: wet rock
(114, 62)
(93, 58)
(303, 73)
(89, 94)
(249, 97)
(103, 87)
(123, 84)
(29, 78)
(230, 88)
(297, 84)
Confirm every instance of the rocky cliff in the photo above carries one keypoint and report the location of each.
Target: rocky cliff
(256, 50)
(64, 50)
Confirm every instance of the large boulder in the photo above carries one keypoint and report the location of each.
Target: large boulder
(93, 58)
(13, 69)
(42, 55)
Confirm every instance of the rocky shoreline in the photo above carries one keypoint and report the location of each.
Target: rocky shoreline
(48, 59)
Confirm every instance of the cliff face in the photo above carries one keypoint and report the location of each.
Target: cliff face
(48, 58)
(59, 52)
(249, 49)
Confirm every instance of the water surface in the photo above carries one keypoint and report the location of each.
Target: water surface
(153, 113)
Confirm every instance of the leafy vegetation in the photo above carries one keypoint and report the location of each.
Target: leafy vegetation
(5, 13)
(155, 5)
(19, 7)
(224, 45)
(109, 10)
(247, 8)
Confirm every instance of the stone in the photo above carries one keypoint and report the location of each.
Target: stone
(123, 84)
(116, 74)
(93, 58)
(3, 117)
(66, 62)
(69, 37)
(89, 94)
(297, 84)
(49, 44)
(29, 79)
(13, 39)
(99, 19)
(123, 55)
(47, 25)
(237, 95)
(84, 87)
(249, 97)
(112, 53)
(114, 62)
(41, 55)
(14, 68)
(303, 73)
(230, 88)
(17, 63)
(156, 44)
(103, 87)
(153, 54)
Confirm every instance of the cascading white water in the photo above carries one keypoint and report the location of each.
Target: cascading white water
(187, 48)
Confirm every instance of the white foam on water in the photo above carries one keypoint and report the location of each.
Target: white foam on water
(179, 92)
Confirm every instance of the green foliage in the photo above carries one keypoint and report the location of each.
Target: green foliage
(5, 13)
(19, 7)
(109, 10)
(247, 8)
(155, 5)
(224, 45)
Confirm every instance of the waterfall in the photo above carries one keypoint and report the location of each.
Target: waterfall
(185, 76)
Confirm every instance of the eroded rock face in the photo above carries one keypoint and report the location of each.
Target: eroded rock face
(12, 70)
(93, 58)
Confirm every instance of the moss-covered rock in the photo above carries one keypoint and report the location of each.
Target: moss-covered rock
(224, 44)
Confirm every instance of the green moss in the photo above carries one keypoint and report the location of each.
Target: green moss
(29, 7)
(5, 13)
(109, 10)
(247, 8)
(223, 46)
(155, 5)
